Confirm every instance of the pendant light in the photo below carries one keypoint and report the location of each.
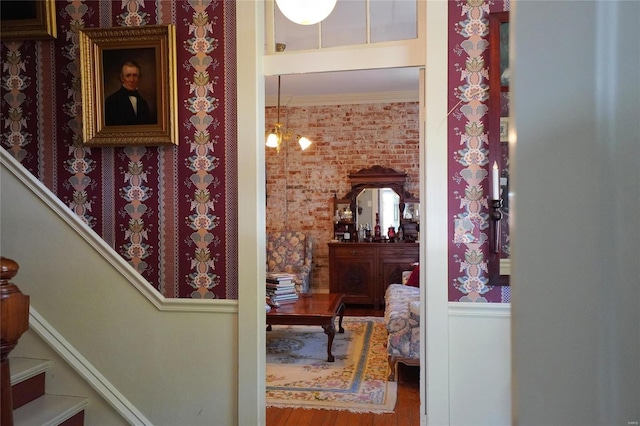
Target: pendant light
(277, 135)
(306, 12)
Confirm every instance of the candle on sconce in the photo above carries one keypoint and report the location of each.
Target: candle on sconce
(495, 181)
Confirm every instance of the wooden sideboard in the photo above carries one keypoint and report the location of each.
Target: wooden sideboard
(363, 271)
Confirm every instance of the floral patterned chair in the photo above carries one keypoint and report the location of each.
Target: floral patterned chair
(402, 318)
(291, 252)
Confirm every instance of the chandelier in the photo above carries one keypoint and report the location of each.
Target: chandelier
(276, 136)
(306, 12)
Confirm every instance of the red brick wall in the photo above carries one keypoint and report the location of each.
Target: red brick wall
(346, 138)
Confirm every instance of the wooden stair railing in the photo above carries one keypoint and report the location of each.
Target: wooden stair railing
(14, 320)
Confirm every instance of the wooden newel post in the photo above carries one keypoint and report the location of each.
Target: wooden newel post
(14, 320)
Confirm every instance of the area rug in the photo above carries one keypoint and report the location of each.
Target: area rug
(299, 376)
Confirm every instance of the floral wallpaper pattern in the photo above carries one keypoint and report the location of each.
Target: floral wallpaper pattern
(163, 209)
(468, 146)
(166, 209)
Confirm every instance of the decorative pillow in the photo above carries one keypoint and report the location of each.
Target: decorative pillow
(413, 279)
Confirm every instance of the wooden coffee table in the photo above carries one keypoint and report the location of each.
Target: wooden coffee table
(319, 309)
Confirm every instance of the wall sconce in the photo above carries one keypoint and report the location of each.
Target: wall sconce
(496, 206)
(306, 12)
(504, 189)
(277, 135)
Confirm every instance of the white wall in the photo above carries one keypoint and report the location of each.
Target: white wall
(479, 364)
(576, 221)
(434, 256)
(176, 366)
(251, 214)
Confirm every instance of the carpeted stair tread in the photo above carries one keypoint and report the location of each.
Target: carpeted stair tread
(25, 368)
(48, 410)
(27, 379)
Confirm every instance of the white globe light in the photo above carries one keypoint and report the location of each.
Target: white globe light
(306, 12)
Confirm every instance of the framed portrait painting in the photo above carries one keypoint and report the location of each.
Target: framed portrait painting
(28, 20)
(128, 86)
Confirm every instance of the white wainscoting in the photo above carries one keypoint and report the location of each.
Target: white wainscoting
(480, 364)
(141, 352)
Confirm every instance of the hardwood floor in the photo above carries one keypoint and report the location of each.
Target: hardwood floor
(406, 413)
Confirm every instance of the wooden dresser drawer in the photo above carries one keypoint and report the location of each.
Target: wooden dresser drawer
(350, 250)
(400, 250)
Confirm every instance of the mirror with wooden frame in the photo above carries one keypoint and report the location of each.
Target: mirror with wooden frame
(377, 192)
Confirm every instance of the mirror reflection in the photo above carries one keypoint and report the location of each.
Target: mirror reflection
(384, 201)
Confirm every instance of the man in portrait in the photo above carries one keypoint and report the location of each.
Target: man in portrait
(126, 106)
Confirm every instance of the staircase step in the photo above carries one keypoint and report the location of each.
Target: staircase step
(27, 379)
(32, 407)
(50, 410)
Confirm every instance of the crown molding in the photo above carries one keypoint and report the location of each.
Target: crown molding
(343, 99)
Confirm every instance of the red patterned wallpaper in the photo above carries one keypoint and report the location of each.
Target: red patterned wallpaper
(469, 154)
(164, 209)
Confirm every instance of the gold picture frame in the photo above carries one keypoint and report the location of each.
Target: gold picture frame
(28, 20)
(104, 54)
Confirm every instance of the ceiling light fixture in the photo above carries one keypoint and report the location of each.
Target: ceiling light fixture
(306, 12)
(277, 135)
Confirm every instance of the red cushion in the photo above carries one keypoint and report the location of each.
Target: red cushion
(413, 279)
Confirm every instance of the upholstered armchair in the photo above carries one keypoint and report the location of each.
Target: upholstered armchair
(291, 252)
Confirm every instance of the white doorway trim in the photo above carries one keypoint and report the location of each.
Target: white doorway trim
(434, 375)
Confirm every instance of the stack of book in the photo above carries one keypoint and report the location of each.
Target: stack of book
(281, 288)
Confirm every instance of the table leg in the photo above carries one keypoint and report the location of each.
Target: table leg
(341, 314)
(330, 331)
